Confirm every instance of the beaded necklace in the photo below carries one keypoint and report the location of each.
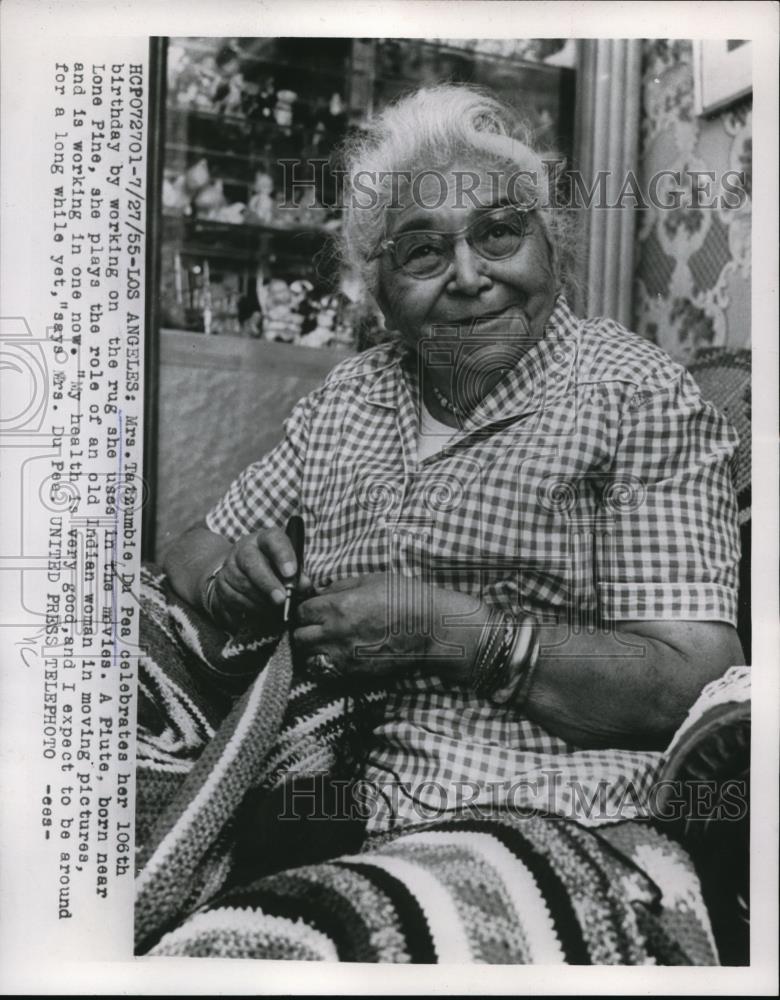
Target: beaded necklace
(445, 402)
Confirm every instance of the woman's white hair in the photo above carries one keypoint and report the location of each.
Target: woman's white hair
(433, 128)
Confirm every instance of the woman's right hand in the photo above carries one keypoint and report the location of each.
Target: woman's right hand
(251, 580)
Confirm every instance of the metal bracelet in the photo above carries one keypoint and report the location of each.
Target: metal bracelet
(527, 676)
(492, 654)
(521, 662)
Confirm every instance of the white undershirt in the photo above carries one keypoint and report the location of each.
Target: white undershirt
(433, 436)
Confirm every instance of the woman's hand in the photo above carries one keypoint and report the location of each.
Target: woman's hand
(252, 579)
(382, 624)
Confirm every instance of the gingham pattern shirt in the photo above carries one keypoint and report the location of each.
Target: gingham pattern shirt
(592, 481)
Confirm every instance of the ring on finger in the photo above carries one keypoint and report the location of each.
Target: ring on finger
(323, 666)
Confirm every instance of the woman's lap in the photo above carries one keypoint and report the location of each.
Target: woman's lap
(499, 889)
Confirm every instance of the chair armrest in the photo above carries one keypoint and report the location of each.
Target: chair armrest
(711, 747)
(703, 801)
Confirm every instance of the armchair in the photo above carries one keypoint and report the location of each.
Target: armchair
(708, 763)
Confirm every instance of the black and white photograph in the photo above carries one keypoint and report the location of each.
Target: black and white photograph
(388, 402)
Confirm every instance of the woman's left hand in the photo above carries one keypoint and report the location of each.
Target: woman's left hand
(378, 624)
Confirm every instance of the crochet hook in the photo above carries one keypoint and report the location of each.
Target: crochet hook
(294, 532)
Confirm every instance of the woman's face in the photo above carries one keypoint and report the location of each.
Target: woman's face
(492, 302)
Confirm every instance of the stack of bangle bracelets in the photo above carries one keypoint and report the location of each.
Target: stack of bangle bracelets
(506, 659)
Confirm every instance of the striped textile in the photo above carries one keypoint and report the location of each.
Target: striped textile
(220, 719)
(202, 745)
(501, 890)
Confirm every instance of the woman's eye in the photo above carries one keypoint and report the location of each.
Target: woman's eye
(422, 250)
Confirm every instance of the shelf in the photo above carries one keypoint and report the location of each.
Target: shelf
(189, 151)
(272, 64)
(185, 348)
(206, 152)
(525, 71)
(240, 122)
(294, 251)
(469, 55)
(212, 227)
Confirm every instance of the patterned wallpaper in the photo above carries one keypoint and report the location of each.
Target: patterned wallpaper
(693, 263)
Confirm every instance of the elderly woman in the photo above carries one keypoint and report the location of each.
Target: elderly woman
(522, 523)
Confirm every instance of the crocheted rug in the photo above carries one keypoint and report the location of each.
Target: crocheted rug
(223, 722)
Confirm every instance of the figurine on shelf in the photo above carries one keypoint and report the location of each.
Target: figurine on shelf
(307, 211)
(175, 196)
(177, 62)
(300, 291)
(209, 200)
(227, 93)
(258, 99)
(283, 112)
(280, 321)
(197, 176)
(183, 77)
(323, 333)
(234, 214)
(261, 206)
(208, 80)
(337, 111)
(228, 61)
(231, 101)
(301, 301)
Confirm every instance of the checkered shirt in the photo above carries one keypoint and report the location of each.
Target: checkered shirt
(592, 484)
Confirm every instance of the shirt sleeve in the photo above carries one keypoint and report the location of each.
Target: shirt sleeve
(671, 546)
(267, 492)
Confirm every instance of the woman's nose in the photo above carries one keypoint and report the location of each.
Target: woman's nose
(468, 277)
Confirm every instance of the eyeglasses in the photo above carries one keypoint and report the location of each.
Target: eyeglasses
(427, 254)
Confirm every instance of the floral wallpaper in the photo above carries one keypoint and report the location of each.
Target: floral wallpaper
(693, 262)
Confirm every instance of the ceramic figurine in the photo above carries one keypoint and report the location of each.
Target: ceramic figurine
(197, 176)
(209, 79)
(283, 110)
(210, 199)
(280, 321)
(323, 332)
(261, 204)
(177, 62)
(234, 214)
(338, 113)
(232, 101)
(175, 197)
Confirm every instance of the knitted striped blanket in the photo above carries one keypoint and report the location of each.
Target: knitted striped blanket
(225, 722)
